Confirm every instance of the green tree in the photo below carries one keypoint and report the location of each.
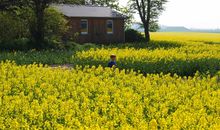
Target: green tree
(109, 3)
(55, 24)
(129, 16)
(10, 27)
(77, 2)
(14, 24)
(5, 4)
(149, 11)
(38, 7)
(153, 26)
(38, 28)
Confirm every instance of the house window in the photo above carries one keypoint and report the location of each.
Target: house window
(109, 26)
(84, 26)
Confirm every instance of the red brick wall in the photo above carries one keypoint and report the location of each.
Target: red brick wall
(97, 30)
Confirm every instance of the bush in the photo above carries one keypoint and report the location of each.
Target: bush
(55, 24)
(12, 27)
(21, 44)
(132, 35)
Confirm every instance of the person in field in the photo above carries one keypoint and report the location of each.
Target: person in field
(113, 61)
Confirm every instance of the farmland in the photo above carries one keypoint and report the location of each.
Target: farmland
(183, 57)
(190, 36)
(171, 83)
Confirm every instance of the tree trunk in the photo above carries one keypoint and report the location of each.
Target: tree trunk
(147, 34)
(38, 32)
(147, 23)
(40, 29)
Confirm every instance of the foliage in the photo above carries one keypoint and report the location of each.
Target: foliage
(45, 57)
(12, 27)
(22, 44)
(7, 4)
(37, 23)
(51, 57)
(78, 2)
(17, 22)
(55, 24)
(37, 97)
(132, 35)
(154, 27)
(129, 16)
(109, 3)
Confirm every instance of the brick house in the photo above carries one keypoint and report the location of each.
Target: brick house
(94, 24)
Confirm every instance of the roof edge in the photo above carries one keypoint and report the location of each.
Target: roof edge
(120, 15)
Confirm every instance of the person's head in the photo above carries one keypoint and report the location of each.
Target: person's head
(113, 57)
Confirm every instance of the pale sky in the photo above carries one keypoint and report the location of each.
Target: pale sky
(203, 14)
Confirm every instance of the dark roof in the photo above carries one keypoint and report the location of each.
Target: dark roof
(88, 11)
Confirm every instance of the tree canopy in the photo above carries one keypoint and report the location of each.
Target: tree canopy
(149, 11)
(38, 7)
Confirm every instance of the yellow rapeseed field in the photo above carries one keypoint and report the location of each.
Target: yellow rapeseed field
(172, 83)
(37, 97)
(186, 36)
(182, 58)
(184, 52)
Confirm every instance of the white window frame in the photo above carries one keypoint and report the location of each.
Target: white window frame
(87, 30)
(112, 27)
